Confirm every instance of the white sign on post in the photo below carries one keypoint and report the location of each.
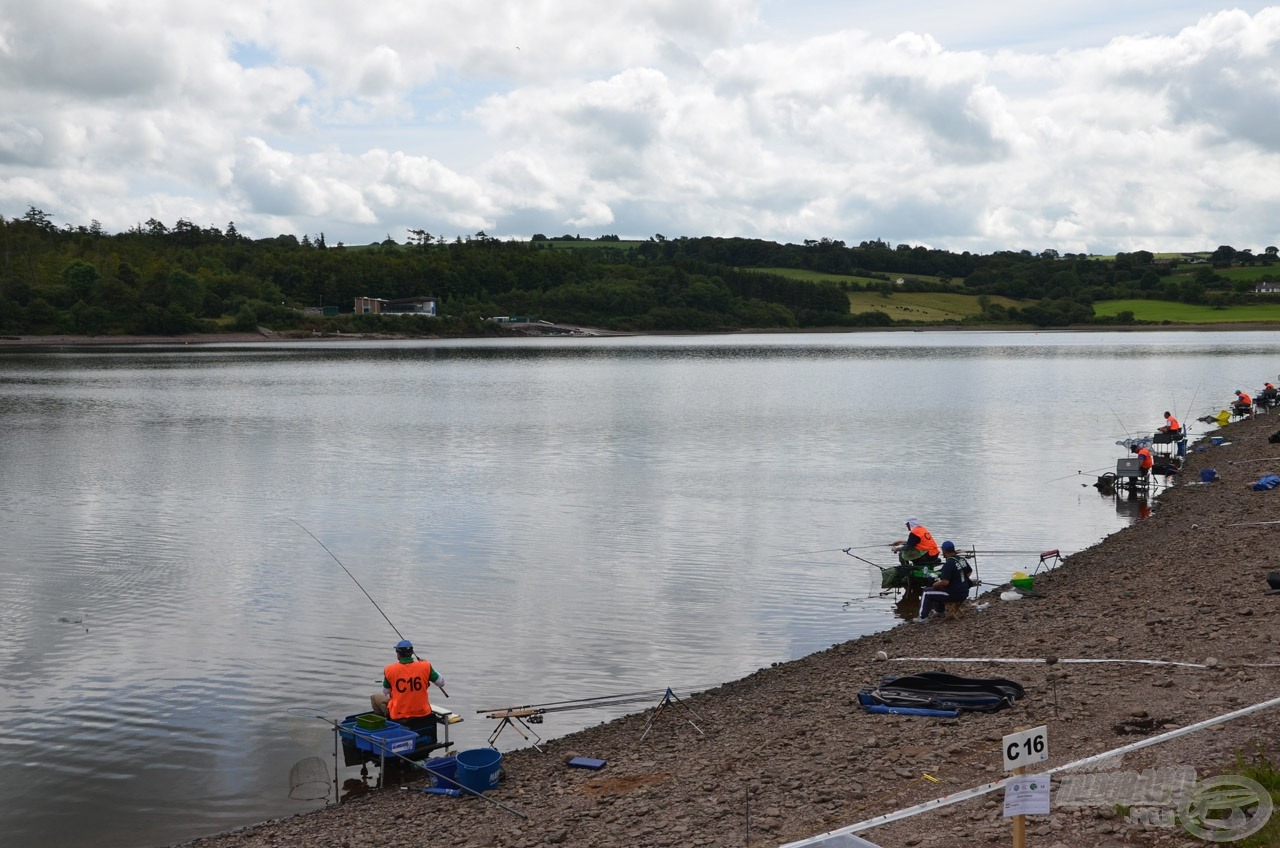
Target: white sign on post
(1026, 748)
(1027, 795)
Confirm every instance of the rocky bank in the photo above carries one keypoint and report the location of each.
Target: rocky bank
(789, 754)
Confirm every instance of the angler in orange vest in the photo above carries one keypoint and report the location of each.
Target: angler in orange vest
(918, 548)
(1145, 456)
(1243, 404)
(404, 686)
(1171, 425)
(1268, 396)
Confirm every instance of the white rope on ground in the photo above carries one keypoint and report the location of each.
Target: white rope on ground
(831, 838)
(1046, 660)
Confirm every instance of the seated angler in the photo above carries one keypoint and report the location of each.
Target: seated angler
(404, 686)
(1243, 404)
(1268, 397)
(919, 548)
(952, 584)
(1171, 425)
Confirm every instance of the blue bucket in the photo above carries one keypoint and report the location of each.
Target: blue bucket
(1217, 440)
(478, 768)
(442, 771)
(1208, 475)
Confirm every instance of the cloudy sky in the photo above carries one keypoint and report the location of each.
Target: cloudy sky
(1080, 125)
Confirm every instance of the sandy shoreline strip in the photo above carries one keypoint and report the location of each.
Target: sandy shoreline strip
(789, 754)
(265, 335)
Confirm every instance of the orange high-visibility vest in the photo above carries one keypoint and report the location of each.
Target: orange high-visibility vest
(1173, 423)
(1244, 399)
(409, 682)
(927, 544)
(1145, 456)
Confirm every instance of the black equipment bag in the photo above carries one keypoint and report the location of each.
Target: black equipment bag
(941, 691)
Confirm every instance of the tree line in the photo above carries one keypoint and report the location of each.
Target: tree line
(157, 279)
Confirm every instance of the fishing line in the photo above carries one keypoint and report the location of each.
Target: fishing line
(349, 574)
(1127, 434)
(806, 553)
(830, 550)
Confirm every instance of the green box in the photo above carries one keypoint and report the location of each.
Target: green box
(371, 721)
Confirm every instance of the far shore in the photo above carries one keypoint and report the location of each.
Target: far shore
(264, 335)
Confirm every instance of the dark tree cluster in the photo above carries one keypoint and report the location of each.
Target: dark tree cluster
(157, 279)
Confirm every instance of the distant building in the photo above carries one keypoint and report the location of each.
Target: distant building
(1267, 288)
(428, 306)
(413, 306)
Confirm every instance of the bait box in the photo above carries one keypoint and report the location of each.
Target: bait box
(371, 721)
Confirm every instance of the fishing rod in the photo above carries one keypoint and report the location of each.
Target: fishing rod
(587, 701)
(352, 576)
(861, 559)
(1191, 405)
(362, 588)
(1092, 471)
(1127, 434)
(647, 699)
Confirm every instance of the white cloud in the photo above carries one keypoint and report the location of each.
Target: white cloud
(847, 120)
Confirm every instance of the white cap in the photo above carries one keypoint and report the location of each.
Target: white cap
(913, 522)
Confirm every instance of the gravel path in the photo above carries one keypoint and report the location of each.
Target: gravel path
(790, 744)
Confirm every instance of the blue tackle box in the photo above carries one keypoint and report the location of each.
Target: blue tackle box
(392, 739)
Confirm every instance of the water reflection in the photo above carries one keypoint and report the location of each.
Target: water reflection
(547, 520)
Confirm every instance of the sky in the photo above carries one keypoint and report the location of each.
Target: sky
(1081, 125)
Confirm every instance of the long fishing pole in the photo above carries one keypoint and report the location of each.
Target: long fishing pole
(349, 574)
(1127, 434)
(362, 588)
(644, 692)
(1078, 473)
(860, 559)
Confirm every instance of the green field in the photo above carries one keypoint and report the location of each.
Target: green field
(1252, 273)
(924, 306)
(821, 277)
(1186, 313)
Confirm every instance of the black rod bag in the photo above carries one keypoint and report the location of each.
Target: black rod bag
(939, 690)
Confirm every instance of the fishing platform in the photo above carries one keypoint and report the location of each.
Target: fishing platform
(370, 737)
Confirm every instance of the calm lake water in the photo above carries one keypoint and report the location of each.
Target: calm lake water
(546, 519)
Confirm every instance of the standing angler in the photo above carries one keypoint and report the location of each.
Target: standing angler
(404, 686)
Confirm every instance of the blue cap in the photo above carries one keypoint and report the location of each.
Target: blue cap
(948, 545)
(404, 645)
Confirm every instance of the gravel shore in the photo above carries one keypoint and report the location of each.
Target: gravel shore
(789, 754)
